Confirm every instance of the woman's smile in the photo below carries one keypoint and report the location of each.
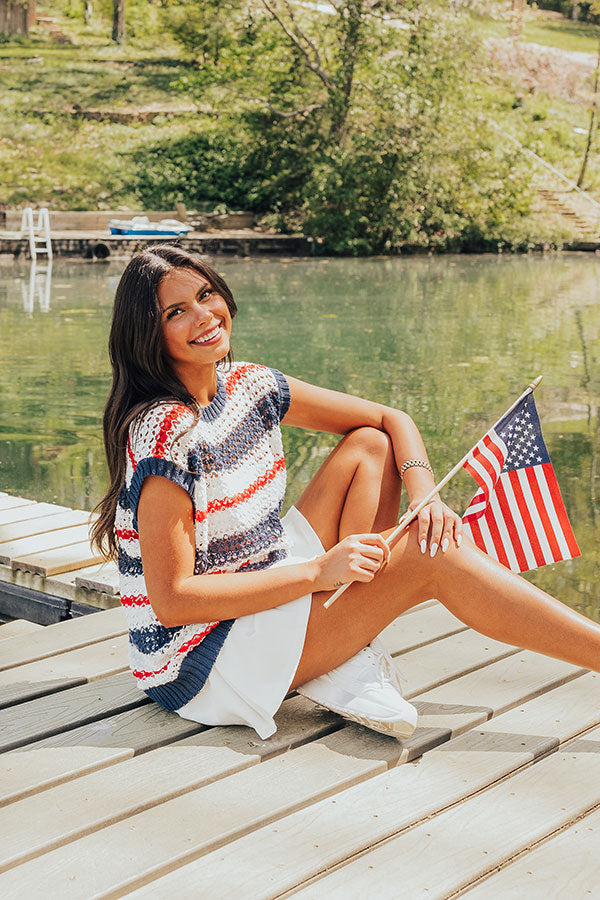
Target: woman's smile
(214, 334)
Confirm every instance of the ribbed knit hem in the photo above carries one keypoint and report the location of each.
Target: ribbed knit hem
(194, 670)
(167, 469)
(285, 397)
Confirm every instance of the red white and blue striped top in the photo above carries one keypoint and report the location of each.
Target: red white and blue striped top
(230, 461)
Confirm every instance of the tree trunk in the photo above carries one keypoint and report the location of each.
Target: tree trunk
(592, 127)
(118, 29)
(87, 12)
(352, 17)
(575, 11)
(14, 17)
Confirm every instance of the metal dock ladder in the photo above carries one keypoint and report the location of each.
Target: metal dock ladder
(38, 235)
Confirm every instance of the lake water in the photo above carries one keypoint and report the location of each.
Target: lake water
(453, 340)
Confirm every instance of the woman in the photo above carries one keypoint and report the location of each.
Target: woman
(197, 481)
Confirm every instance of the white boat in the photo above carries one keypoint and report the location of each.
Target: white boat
(141, 225)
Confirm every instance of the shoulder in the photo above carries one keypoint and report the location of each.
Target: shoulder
(155, 430)
(261, 383)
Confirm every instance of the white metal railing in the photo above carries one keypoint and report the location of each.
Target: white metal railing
(38, 235)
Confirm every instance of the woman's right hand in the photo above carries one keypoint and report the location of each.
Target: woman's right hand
(358, 557)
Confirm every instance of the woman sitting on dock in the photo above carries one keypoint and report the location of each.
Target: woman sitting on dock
(224, 600)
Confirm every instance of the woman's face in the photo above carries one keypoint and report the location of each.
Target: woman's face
(196, 322)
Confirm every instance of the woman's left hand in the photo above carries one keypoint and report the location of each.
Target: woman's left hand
(438, 525)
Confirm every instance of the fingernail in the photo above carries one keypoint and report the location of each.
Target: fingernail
(423, 546)
(433, 550)
(459, 540)
(445, 543)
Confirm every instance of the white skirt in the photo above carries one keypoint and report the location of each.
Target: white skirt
(257, 663)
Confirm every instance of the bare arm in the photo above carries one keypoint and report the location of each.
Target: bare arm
(179, 597)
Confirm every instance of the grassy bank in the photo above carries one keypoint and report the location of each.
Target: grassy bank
(51, 153)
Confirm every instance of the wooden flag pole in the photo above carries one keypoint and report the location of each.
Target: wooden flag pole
(408, 516)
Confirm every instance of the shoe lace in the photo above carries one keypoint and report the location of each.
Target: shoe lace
(385, 668)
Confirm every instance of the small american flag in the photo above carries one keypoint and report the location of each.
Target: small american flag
(518, 516)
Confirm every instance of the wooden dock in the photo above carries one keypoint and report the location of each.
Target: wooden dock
(48, 570)
(101, 245)
(104, 794)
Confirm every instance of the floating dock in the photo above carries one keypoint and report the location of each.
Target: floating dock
(48, 570)
(100, 245)
(105, 794)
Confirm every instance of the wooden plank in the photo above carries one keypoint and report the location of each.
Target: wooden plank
(30, 511)
(62, 637)
(272, 860)
(17, 628)
(444, 854)
(33, 769)
(58, 672)
(9, 502)
(456, 706)
(54, 562)
(86, 804)
(142, 729)
(37, 719)
(567, 865)
(39, 543)
(67, 755)
(39, 525)
(198, 820)
(410, 631)
(103, 578)
(59, 586)
(439, 662)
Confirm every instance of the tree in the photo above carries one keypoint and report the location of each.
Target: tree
(592, 125)
(595, 10)
(118, 28)
(14, 16)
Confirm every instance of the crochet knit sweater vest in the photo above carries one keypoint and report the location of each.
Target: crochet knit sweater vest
(230, 462)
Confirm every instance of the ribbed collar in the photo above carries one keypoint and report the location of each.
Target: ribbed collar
(217, 404)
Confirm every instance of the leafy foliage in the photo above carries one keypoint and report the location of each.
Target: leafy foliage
(364, 134)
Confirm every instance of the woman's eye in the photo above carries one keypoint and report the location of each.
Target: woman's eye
(206, 293)
(174, 312)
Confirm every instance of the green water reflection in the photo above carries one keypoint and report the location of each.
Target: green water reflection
(452, 340)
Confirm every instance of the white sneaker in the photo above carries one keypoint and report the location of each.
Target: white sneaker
(365, 689)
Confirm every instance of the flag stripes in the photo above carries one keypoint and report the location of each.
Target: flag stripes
(518, 516)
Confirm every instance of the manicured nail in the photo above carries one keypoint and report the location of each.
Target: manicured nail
(423, 546)
(459, 540)
(445, 543)
(433, 550)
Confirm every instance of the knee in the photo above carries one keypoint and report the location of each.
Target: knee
(370, 443)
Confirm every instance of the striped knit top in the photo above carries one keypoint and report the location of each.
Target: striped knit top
(230, 462)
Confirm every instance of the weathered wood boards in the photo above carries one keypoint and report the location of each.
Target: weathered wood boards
(63, 670)
(16, 628)
(537, 874)
(103, 793)
(43, 539)
(63, 636)
(38, 525)
(463, 843)
(273, 859)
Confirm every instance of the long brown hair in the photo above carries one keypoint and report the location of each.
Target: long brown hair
(142, 374)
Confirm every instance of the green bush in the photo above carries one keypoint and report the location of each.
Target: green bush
(389, 151)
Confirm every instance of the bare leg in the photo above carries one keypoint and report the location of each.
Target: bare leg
(479, 591)
(357, 489)
(482, 593)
